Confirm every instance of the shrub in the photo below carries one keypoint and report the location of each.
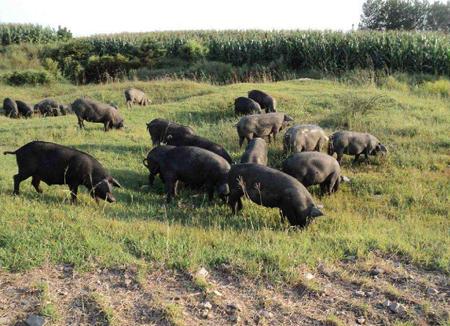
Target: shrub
(28, 77)
(192, 51)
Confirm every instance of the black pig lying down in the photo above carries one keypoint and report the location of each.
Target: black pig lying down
(271, 188)
(57, 164)
(311, 168)
(195, 167)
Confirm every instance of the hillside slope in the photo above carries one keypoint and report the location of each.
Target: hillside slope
(392, 215)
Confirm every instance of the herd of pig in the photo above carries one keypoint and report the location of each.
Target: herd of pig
(179, 155)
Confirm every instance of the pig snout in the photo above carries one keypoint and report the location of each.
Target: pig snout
(223, 190)
(110, 198)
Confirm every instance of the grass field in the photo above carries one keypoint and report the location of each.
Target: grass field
(393, 207)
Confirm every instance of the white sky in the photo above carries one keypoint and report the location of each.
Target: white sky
(85, 17)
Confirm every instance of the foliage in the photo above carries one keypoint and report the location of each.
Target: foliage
(277, 54)
(29, 33)
(405, 15)
(28, 77)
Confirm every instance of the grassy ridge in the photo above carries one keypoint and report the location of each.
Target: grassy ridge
(396, 206)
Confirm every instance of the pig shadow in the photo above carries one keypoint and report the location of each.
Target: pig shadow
(118, 149)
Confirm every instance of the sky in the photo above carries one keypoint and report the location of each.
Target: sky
(87, 17)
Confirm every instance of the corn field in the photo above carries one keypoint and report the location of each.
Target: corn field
(325, 51)
(280, 53)
(29, 33)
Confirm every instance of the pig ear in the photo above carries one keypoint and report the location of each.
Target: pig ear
(114, 182)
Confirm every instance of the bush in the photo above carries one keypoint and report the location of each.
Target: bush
(192, 51)
(28, 77)
(107, 68)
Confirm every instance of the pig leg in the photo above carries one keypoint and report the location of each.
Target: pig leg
(18, 178)
(151, 179)
(74, 193)
(241, 141)
(106, 125)
(274, 134)
(356, 158)
(35, 182)
(171, 187)
(210, 188)
(366, 154)
(339, 157)
(80, 123)
(235, 203)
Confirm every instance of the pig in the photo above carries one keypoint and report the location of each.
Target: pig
(255, 152)
(160, 129)
(65, 109)
(47, 107)
(354, 143)
(195, 167)
(57, 164)
(24, 109)
(93, 111)
(10, 108)
(306, 138)
(136, 96)
(271, 188)
(154, 160)
(266, 101)
(244, 105)
(311, 168)
(197, 141)
(261, 125)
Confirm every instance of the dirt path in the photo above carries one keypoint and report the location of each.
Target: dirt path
(352, 292)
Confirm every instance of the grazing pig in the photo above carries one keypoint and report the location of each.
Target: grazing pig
(93, 111)
(261, 125)
(47, 107)
(57, 164)
(266, 101)
(161, 129)
(245, 105)
(136, 96)
(255, 152)
(154, 161)
(354, 143)
(197, 141)
(271, 188)
(10, 108)
(65, 109)
(24, 109)
(195, 167)
(304, 138)
(311, 168)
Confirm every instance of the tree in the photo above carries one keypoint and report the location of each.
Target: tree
(405, 15)
(438, 17)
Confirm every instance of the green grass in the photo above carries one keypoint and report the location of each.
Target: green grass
(398, 205)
